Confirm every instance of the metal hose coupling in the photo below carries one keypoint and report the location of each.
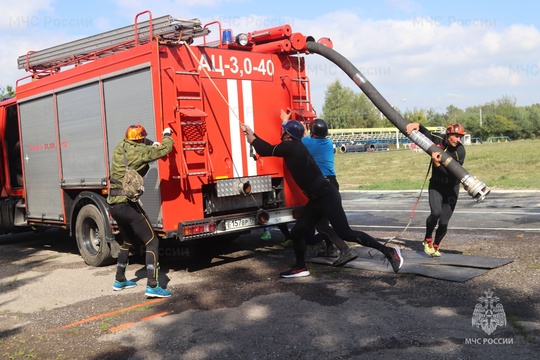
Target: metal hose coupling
(476, 189)
(421, 140)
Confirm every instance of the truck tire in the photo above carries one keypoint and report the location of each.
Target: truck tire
(90, 236)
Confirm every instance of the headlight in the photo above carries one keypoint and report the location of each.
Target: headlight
(242, 39)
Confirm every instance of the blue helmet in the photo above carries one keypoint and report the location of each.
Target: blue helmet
(294, 128)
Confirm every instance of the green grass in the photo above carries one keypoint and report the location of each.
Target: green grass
(513, 165)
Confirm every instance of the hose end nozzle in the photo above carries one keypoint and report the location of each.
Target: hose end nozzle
(476, 189)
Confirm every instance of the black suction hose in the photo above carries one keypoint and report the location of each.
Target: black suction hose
(477, 189)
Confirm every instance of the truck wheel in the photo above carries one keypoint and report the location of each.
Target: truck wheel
(90, 235)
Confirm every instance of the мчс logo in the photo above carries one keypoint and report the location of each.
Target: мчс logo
(488, 313)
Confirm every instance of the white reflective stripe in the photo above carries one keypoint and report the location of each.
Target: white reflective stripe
(234, 124)
(247, 99)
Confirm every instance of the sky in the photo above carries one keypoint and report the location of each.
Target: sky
(419, 54)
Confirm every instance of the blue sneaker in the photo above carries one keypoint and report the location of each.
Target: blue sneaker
(121, 285)
(158, 291)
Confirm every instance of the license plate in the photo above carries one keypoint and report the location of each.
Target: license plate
(240, 223)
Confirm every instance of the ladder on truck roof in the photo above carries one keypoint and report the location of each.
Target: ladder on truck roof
(107, 43)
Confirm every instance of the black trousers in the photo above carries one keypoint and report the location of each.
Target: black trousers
(324, 228)
(327, 204)
(442, 202)
(135, 227)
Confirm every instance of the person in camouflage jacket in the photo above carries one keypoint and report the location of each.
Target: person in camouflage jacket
(133, 222)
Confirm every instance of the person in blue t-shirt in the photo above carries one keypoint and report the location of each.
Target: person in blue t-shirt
(322, 150)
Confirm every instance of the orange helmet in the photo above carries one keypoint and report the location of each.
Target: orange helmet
(456, 129)
(136, 132)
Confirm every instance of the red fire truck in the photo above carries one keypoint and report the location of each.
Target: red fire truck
(203, 81)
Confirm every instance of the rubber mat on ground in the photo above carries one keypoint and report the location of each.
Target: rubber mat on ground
(451, 267)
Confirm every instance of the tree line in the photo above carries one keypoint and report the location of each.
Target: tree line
(344, 108)
(6, 92)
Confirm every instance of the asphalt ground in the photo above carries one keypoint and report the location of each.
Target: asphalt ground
(229, 303)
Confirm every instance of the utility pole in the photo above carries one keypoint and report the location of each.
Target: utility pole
(480, 117)
(397, 132)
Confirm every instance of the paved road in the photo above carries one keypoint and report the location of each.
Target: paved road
(229, 303)
(389, 210)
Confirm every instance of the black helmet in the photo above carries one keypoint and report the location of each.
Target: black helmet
(319, 128)
(294, 128)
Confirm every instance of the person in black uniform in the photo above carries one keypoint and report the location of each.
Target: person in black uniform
(443, 186)
(324, 198)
